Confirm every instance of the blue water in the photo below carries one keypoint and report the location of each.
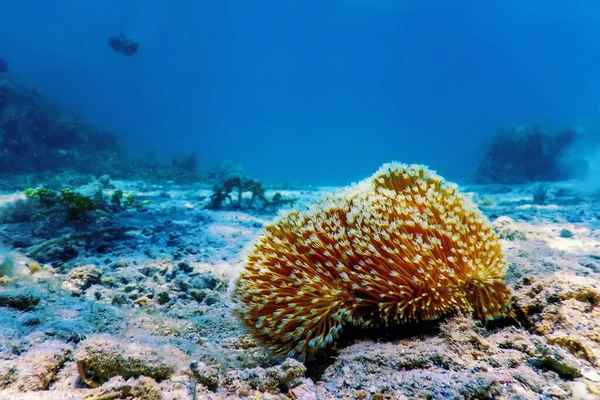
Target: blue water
(311, 91)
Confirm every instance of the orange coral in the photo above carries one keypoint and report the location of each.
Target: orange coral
(402, 245)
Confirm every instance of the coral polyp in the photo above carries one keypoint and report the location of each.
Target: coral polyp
(400, 246)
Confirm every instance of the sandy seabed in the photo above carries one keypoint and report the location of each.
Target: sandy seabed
(136, 306)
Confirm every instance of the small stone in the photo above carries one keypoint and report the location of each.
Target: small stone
(7, 372)
(566, 234)
(163, 298)
(206, 375)
(198, 295)
(506, 228)
(307, 390)
(142, 301)
(591, 374)
(81, 278)
(185, 267)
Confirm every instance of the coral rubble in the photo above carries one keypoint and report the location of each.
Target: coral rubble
(137, 306)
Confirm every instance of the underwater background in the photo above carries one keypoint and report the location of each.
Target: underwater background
(317, 92)
(178, 219)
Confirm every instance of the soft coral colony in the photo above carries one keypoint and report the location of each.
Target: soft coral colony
(402, 245)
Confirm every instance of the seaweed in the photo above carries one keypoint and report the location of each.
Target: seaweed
(116, 197)
(78, 207)
(45, 196)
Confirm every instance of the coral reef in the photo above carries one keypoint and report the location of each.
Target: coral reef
(528, 154)
(39, 140)
(230, 194)
(37, 137)
(400, 246)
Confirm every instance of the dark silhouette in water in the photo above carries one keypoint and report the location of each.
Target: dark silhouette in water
(122, 44)
(522, 154)
(3, 66)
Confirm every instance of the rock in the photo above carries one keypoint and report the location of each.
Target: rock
(37, 368)
(117, 388)
(583, 390)
(592, 375)
(81, 278)
(102, 357)
(198, 295)
(307, 390)
(206, 375)
(20, 300)
(507, 229)
(566, 234)
(163, 298)
(7, 372)
(522, 154)
(275, 379)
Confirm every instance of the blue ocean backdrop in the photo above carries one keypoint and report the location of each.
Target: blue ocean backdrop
(177, 219)
(317, 92)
